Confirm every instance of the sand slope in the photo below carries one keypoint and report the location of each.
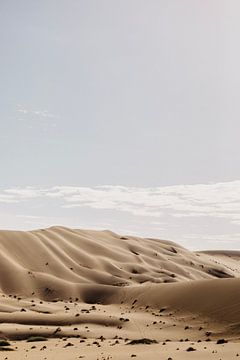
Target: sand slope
(60, 282)
(60, 259)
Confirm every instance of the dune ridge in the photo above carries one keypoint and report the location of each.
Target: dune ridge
(36, 260)
(60, 282)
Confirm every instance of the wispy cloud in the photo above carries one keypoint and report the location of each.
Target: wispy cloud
(37, 119)
(197, 216)
(39, 113)
(217, 200)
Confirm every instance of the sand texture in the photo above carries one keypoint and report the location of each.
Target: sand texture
(98, 295)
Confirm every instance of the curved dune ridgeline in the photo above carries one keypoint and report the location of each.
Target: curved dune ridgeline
(60, 282)
(58, 261)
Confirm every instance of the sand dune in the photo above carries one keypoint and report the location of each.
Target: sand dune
(37, 260)
(60, 282)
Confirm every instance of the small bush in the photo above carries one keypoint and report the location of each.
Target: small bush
(142, 341)
(191, 349)
(4, 343)
(221, 341)
(6, 349)
(36, 338)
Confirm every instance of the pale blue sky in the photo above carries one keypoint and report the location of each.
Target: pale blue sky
(141, 94)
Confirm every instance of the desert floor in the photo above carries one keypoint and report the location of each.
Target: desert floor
(98, 295)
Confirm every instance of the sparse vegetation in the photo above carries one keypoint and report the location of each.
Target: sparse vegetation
(191, 349)
(144, 341)
(221, 341)
(4, 343)
(36, 338)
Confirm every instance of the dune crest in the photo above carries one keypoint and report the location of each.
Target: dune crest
(58, 261)
(60, 282)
